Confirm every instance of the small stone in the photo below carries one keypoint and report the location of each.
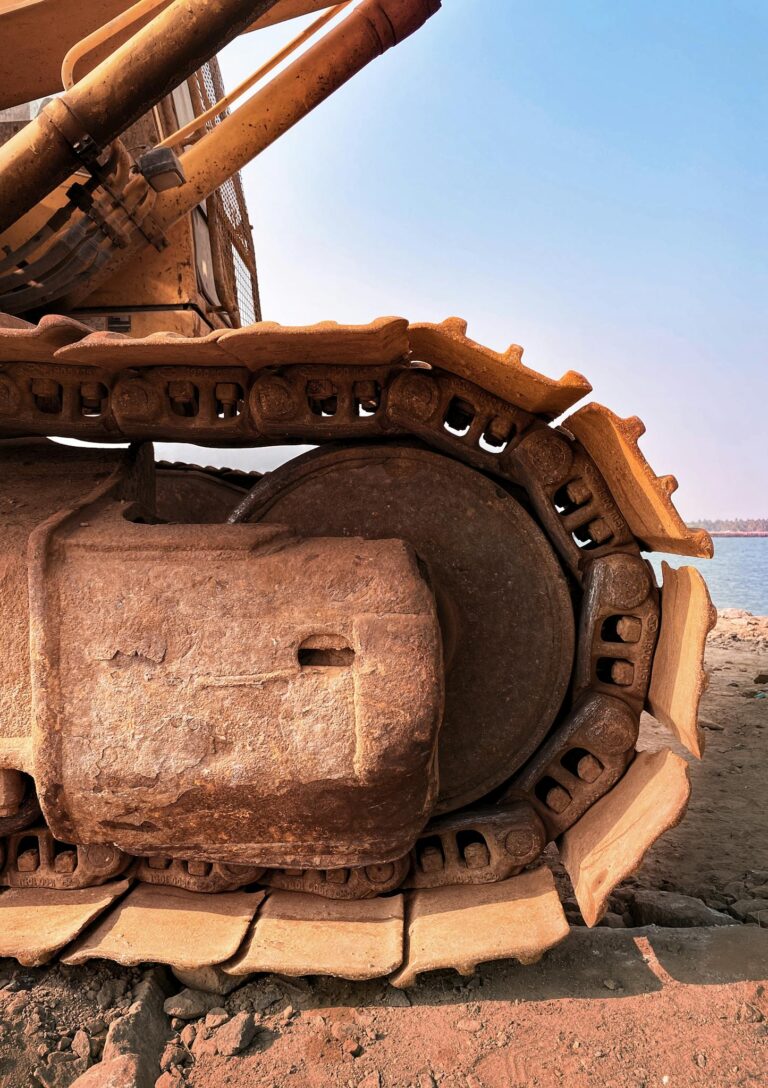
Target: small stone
(373, 1080)
(190, 1004)
(64, 1043)
(81, 1044)
(468, 1024)
(188, 1034)
(736, 889)
(760, 892)
(95, 1027)
(611, 920)
(761, 678)
(288, 1012)
(352, 1047)
(700, 1060)
(235, 1035)
(394, 998)
(216, 1017)
(611, 984)
(172, 1078)
(426, 1080)
(172, 1056)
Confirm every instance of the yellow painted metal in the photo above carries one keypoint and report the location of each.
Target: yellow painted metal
(224, 103)
(36, 35)
(366, 33)
(104, 102)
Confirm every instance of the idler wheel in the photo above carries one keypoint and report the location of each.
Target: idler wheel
(503, 600)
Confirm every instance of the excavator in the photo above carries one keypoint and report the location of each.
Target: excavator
(351, 716)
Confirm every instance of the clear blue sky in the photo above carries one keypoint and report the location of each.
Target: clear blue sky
(586, 179)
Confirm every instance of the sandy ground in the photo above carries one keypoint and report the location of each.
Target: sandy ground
(619, 1008)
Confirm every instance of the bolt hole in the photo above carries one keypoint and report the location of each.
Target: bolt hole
(230, 400)
(552, 794)
(367, 398)
(48, 396)
(322, 398)
(326, 651)
(458, 417)
(431, 854)
(493, 442)
(621, 629)
(615, 671)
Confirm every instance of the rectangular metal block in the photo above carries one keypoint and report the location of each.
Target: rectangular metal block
(232, 693)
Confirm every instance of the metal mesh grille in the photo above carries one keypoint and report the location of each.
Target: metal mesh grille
(234, 258)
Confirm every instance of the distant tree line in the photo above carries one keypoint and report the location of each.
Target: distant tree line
(732, 525)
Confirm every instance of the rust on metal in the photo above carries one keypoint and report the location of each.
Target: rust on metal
(38, 922)
(448, 347)
(168, 925)
(610, 840)
(500, 635)
(678, 679)
(300, 934)
(34, 859)
(459, 927)
(644, 498)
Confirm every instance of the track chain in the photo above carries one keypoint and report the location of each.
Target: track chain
(592, 746)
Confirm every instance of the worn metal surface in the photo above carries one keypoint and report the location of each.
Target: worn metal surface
(585, 756)
(306, 740)
(38, 922)
(644, 498)
(678, 679)
(611, 839)
(34, 859)
(299, 934)
(168, 925)
(503, 602)
(460, 927)
(478, 847)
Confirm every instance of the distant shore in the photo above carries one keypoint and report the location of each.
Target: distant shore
(735, 532)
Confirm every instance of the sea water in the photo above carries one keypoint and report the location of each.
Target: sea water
(737, 576)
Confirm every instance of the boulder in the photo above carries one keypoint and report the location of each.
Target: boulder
(655, 908)
(751, 910)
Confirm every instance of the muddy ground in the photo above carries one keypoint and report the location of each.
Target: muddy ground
(620, 1007)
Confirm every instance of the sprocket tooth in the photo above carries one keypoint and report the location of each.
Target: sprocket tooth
(459, 927)
(22, 342)
(169, 925)
(642, 496)
(455, 324)
(301, 934)
(35, 923)
(611, 839)
(678, 679)
(502, 373)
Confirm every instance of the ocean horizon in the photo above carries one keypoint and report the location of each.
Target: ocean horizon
(737, 576)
